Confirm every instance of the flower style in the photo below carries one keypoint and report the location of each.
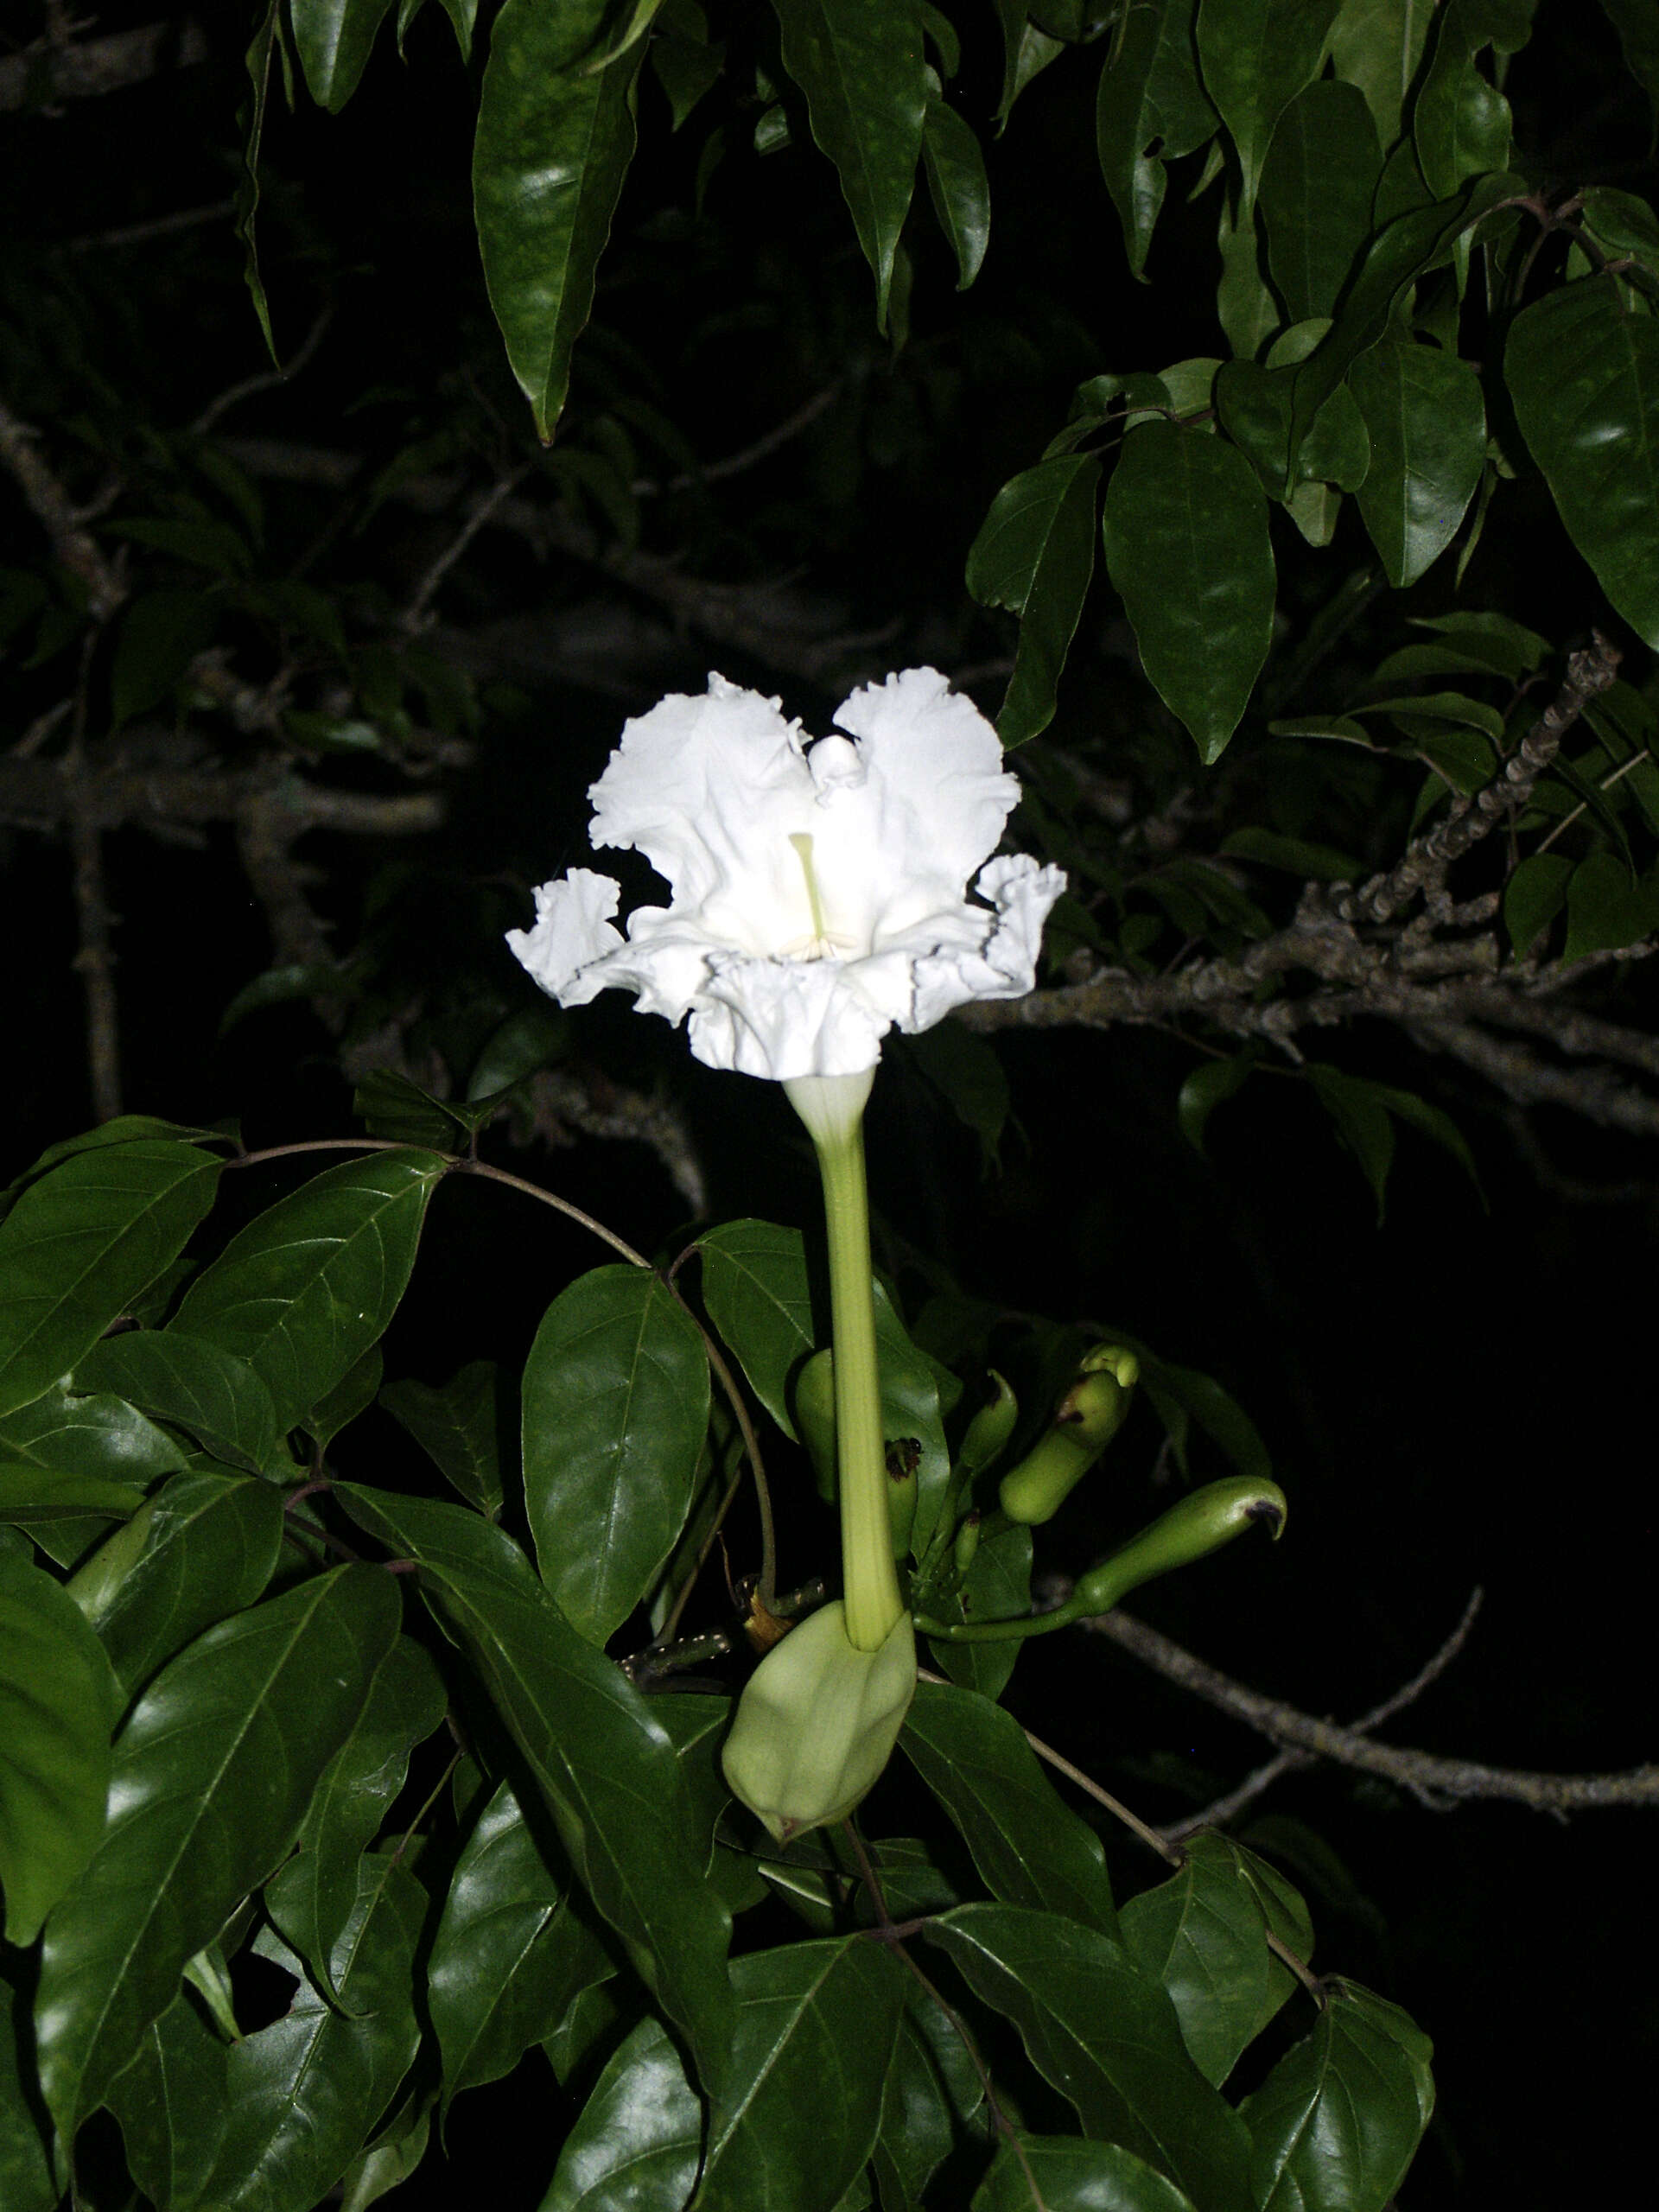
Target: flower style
(818, 890)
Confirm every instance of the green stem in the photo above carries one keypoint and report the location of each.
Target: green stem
(832, 1108)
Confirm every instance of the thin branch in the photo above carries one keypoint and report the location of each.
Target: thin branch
(158, 226)
(416, 615)
(746, 457)
(48, 72)
(264, 379)
(53, 509)
(1437, 1782)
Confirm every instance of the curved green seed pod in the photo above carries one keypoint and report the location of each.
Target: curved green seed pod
(989, 1429)
(1085, 1421)
(815, 1418)
(93, 1585)
(817, 1721)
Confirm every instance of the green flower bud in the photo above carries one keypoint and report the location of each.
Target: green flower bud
(967, 1544)
(815, 1418)
(817, 1721)
(93, 1585)
(1085, 1421)
(1199, 1524)
(989, 1429)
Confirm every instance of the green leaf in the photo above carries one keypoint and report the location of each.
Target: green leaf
(1638, 33)
(511, 1952)
(210, 1548)
(1203, 1935)
(997, 1588)
(64, 1455)
(170, 2100)
(57, 1705)
(351, 1800)
(31, 2173)
(1256, 56)
(1060, 574)
(1605, 909)
(636, 2141)
(303, 1291)
(553, 147)
(1377, 44)
(1362, 1121)
(959, 187)
(302, 2094)
(1152, 108)
(1335, 2124)
(798, 2117)
(1029, 1847)
(1183, 1393)
(196, 1385)
(1583, 371)
(1428, 425)
(332, 39)
(615, 1398)
(1535, 895)
(454, 1423)
(1058, 2173)
(606, 1770)
(1108, 2039)
(967, 1071)
(213, 1772)
(756, 1288)
(352, 1394)
(860, 64)
(1186, 533)
(1460, 123)
(160, 633)
(391, 2156)
(1210, 1085)
(389, 1105)
(910, 1410)
(126, 1129)
(82, 1244)
(1321, 171)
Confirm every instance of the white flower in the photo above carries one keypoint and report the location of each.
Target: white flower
(819, 891)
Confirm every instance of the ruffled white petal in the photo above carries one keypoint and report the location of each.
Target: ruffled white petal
(817, 893)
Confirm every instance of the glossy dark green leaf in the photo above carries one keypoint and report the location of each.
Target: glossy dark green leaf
(389, 1105)
(1461, 122)
(997, 1588)
(303, 1291)
(1029, 1846)
(1430, 1122)
(1152, 108)
(1605, 909)
(511, 1952)
(213, 1772)
(81, 1243)
(394, 2153)
(169, 2099)
(1210, 1085)
(957, 185)
(1428, 425)
(196, 1385)
(1638, 34)
(57, 1706)
(1405, 249)
(1362, 1123)
(332, 39)
(1377, 44)
(686, 61)
(1060, 576)
(795, 2125)
(1320, 173)
(696, 1724)
(1583, 371)
(351, 1802)
(918, 2131)
(607, 1770)
(1186, 533)
(126, 1129)
(1335, 2124)
(1108, 2039)
(64, 1454)
(1534, 895)
(352, 1394)
(1006, 558)
(860, 64)
(1058, 2173)
(31, 2179)
(1203, 1935)
(636, 2144)
(615, 1397)
(1256, 56)
(210, 1547)
(454, 1423)
(553, 147)
(756, 1288)
(303, 2094)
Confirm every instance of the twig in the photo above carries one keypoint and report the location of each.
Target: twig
(1436, 1782)
(73, 546)
(95, 965)
(416, 615)
(158, 226)
(263, 379)
(733, 464)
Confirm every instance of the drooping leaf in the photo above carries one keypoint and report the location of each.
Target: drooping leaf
(798, 2118)
(63, 1455)
(553, 147)
(1186, 533)
(169, 2099)
(352, 1394)
(334, 38)
(1376, 45)
(1639, 36)
(392, 2155)
(1460, 123)
(1583, 371)
(1256, 56)
(1152, 108)
(1035, 555)
(1058, 2173)
(212, 1774)
(637, 2140)
(83, 1240)
(860, 64)
(1335, 2126)
(1605, 909)
(31, 2164)
(195, 1384)
(511, 1952)
(57, 1706)
(615, 1398)
(1210, 1084)
(303, 1291)
(607, 1771)
(454, 1423)
(756, 1288)
(1428, 425)
(957, 185)
(1320, 173)
(1534, 895)
(1029, 1846)
(1107, 2037)
(918, 2131)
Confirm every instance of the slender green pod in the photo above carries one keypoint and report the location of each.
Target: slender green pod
(1085, 1420)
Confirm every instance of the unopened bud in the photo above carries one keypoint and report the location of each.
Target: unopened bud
(989, 1429)
(815, 1418)
(817, 1721)
(967, 1544)
(1199, 1524)
(1085, 1420)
